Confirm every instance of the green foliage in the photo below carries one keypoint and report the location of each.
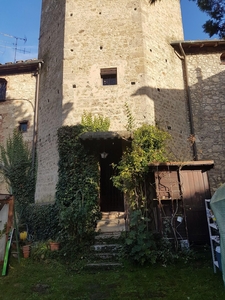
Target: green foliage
(42, 221)
(40, 251)
(130, 119)
(78, 186)
(139, 245)
(94, 123)
(215, 9)
(147, 146)
(142, 246)
(16, 166)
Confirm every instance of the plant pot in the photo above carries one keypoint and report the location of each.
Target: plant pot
(26, 251)
(54, 246)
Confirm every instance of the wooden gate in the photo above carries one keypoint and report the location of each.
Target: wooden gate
(195, 188)
(181, 190)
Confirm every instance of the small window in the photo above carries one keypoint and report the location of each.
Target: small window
(109, 76)
(222, 58)
(23, 126)
(3, 84)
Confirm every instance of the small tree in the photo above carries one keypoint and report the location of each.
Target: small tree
(16, 166)
(148, 146)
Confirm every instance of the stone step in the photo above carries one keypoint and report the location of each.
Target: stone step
(111, 222)
(105, 251)
(105, 266)
(112, 215)
(107, 255)
(115, 235)
(105, 247)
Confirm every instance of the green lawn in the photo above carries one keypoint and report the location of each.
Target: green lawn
(53, 280)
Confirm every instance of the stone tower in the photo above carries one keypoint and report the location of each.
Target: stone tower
(99, 55)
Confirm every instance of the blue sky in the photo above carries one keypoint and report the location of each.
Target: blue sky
(20, 21)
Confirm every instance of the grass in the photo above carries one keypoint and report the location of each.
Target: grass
(51, 279)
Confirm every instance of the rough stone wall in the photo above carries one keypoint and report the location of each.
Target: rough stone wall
(19, 106)
(50, 97)
(165, 91)
(206, 77)
(129, 35)
(137, 43)
(101, 35)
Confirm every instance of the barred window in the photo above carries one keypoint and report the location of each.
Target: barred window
(222, 58)
(23, 126)
(109, 76)
(3, 84)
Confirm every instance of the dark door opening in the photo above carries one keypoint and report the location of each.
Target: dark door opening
(111, 199)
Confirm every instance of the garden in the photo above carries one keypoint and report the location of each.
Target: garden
(52, 278)
(149, 266)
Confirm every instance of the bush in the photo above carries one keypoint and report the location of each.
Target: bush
(42, 221)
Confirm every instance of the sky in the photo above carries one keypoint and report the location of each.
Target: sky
(20, 22)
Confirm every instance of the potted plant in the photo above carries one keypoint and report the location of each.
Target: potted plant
(54, 245)
(25, 244)
(26, 250)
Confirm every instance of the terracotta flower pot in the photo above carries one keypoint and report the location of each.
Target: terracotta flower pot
(54, 246)
(26, 251)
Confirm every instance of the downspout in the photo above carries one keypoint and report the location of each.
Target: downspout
(187, 87)
(34, 141)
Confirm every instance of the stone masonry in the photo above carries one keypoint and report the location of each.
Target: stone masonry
(77, 41)
(18, 107)
(207, 77)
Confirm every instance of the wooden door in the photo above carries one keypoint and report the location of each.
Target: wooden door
(195, 189)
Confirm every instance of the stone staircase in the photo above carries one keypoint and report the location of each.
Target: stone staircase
(111, 222)
(107, 244)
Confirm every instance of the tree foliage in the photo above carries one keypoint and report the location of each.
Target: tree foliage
(215, 9)
(94, 123)
(16, 166)
(148, 146)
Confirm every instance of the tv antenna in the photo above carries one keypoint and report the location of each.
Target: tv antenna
(16, 44)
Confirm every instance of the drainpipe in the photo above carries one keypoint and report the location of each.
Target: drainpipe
(187, 87)
(34, 140)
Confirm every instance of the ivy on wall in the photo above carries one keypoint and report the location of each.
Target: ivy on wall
(42, 221)
(77, 190)
(77, 193)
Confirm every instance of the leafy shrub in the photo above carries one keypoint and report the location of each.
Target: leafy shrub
(139, 244)
(142, 246)
(94, 123)
(148, 146)
(16, 166)
(40, 251)
(78, 186)
(42, 221)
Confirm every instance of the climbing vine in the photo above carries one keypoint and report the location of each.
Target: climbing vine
(94, 123)
(148, 146)
(78, 185)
